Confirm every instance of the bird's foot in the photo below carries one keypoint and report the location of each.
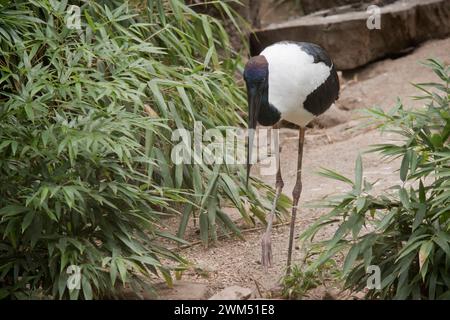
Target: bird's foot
(266, 245)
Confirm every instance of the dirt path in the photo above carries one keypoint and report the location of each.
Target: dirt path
(234, 262)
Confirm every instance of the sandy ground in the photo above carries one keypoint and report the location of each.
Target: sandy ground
(234, 262)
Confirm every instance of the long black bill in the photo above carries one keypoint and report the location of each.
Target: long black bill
(254, 101)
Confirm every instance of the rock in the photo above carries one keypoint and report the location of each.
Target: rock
(333, 117)
(344, 34)
(183, 290)
(233, 293)
(310, 6)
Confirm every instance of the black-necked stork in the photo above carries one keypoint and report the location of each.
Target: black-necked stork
(292, 81)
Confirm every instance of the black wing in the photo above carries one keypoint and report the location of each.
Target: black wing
(318, 101)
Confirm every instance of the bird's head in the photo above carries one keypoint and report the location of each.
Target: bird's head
(256, 76)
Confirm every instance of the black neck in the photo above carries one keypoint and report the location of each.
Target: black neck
(268, 114)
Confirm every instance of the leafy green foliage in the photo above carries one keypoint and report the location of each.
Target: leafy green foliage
(85, 172)
(297, 283)
(406, 230)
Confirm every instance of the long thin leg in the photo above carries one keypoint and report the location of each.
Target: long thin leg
(296, 195)
(266, 242)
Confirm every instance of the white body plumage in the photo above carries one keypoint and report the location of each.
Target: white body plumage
(293, 75)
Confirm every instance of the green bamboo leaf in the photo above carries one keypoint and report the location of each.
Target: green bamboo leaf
(12, 210)
(3, 293)
(211, 209)
(334, 175)
(422, 193)
(229, 223)
(184, 220)
(167, 277)
(87, 289)
(27, 220)
(232, 188)
(159, 98)
(358, 175)
(387, 219)
(113, 273)
(404, 197)
(360, 204)
(170, 236)
(204, 228)
(210, 187)
(424, 252)
(405, 166)
(437, 141)
(350, 259)
(418, 219)
(44, 193)
(186, 101)
(441, 242)
(408, 249)
(62, 284)
(179, 175)
(197, 180)
(29, 111)
(164, 168)
(162, 16)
